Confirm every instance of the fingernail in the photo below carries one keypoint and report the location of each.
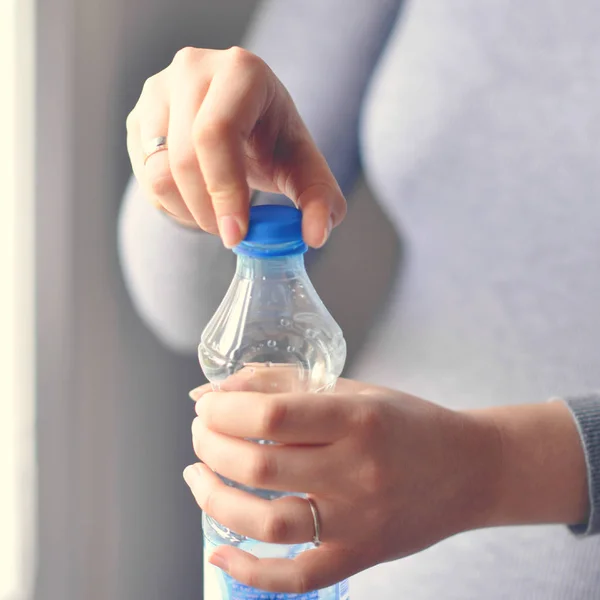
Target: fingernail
(230, 228)
(327, 231)
(197, 393)
(218, 561)
(189, 474)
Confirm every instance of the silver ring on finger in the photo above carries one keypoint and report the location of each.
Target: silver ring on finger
(316, 522)
(157, 144)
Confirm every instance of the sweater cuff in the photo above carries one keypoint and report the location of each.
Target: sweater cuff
(586, 413)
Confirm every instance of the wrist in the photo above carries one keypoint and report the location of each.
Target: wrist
(540, 473)
(482, 464)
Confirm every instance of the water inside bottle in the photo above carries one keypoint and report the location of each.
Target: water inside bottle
(286, 356)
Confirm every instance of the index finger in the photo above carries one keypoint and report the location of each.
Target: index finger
(226, 118)
(313, 419)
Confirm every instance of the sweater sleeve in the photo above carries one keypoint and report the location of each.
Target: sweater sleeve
(586, 412)
(324, 52)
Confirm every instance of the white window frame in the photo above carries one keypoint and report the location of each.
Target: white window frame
(17, 353)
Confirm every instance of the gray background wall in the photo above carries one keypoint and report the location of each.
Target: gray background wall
(116, 521)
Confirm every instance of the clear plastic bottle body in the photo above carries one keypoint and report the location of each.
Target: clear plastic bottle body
(272, 316)
(271, 333)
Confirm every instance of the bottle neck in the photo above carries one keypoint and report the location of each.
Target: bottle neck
(280, 267)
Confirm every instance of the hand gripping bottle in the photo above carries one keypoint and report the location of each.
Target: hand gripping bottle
(271, 333)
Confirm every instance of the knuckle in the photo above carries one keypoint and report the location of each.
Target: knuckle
(369, 418)
(187, 56)
(183, 162)
(273, 417)
(210, 133)
(302, 583)
(275, 529)
(241, 57)
(163, 185)
(224, 195)
(251, 578)
(246, 64)
(261, 469)
(150, 85)
(371, 476)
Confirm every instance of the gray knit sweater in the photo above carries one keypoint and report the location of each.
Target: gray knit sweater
(477, 125)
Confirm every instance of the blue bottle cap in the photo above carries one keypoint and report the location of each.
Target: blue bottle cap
(273, 231)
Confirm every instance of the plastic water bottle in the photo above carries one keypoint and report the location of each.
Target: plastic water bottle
(271, 333)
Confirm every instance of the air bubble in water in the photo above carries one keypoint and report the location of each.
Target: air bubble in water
(285, 323)
(271, 343)
(291, 349)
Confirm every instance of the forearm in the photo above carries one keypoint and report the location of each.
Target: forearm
(537, 466)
